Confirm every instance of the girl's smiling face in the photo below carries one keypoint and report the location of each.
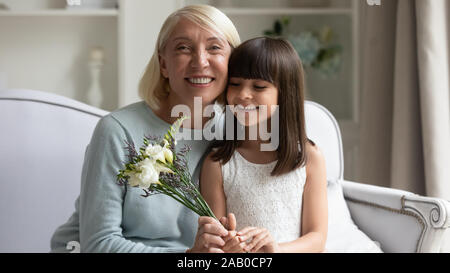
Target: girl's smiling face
(249, 96)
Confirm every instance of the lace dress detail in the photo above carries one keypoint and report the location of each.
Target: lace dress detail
(261, 200)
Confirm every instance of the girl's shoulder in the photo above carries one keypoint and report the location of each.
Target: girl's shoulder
(315, 167)
(210, 168)
(314, 155)
(210, 162)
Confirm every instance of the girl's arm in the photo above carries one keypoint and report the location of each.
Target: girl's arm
(211, 186)
(314, 208)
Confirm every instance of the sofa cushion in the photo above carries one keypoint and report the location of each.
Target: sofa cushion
(343, 234)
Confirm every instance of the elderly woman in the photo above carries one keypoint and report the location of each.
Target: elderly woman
(190, 60)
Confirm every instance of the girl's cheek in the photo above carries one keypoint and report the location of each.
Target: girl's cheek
(229, 95)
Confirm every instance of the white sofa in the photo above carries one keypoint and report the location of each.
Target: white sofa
(42, 144)
(399, 221)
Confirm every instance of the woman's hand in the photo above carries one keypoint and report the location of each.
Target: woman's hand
(209, 236)
(261, 240)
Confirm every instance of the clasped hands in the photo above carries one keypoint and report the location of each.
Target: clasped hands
(215, 237)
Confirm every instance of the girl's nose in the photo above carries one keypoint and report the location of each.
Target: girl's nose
(245, 93)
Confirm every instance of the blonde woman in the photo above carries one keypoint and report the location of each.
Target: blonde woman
(190, 60)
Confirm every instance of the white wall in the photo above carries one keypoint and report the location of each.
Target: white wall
(140, 22)
(3, 82)
(51, 53)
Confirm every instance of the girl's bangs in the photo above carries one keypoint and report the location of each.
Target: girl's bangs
(252, 60)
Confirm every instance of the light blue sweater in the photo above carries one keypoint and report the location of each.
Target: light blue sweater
(112, 218)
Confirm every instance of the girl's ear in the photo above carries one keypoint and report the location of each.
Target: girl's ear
(163, 66)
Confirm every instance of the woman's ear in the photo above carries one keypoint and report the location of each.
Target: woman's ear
(163, 66)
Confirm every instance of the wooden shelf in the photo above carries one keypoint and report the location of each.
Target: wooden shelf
(62, 12)
(287, 11)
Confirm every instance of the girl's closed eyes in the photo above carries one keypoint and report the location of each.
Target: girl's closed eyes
(257, 84)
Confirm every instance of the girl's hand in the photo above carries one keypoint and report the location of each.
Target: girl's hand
(261, 240)
(232, 242)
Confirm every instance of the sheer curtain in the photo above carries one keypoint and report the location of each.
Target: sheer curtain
(405, 106)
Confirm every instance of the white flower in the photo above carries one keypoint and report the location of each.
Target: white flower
(166, 143)
(147, 173)
(155, 152)
(134, 181)
(167, 152)
(162, 169)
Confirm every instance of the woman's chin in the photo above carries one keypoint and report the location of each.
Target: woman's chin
(207, 97)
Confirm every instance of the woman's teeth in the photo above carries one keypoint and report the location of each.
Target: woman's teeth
(200, 80)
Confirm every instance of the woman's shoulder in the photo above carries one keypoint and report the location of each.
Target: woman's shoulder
(128, 118)
(130, 112)
(119, 122)
(108, 124)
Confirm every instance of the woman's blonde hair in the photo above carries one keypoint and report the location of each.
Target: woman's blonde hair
(153, 87)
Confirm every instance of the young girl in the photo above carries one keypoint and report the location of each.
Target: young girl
(279, 197)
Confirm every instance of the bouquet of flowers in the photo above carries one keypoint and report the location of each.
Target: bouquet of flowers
(158, 169)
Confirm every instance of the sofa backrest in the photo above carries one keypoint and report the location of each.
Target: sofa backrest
(323, 129)
(42, 144)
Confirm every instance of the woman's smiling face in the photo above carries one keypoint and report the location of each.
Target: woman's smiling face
(195, 60)
(248, 95)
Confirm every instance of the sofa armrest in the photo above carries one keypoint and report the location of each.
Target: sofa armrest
(399, 220)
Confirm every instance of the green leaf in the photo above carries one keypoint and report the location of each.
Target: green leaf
(174, 128)
(286, 20)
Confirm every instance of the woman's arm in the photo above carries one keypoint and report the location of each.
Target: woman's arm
(314, 208)
(101, 198)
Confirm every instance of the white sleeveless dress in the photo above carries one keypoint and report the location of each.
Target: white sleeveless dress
(261, 200)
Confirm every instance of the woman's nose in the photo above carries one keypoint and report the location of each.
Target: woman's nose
(200, 59)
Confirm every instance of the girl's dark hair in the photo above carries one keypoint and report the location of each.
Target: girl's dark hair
(273, 60)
